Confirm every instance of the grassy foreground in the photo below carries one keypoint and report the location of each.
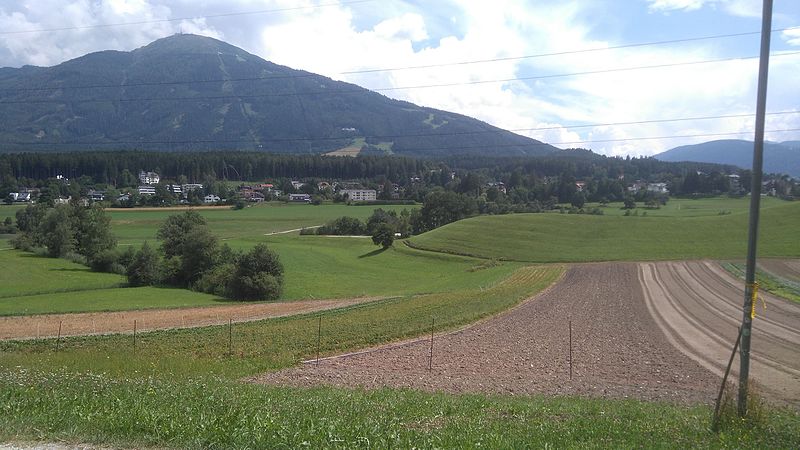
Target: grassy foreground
(578, 238)
(214, 413)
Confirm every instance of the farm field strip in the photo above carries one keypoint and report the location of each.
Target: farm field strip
(82, 324)
(618, 350)
(698, 307)
(547, 237)
(784, 268)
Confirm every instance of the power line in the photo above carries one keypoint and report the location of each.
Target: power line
(435, 147)
(178, 19)
(352, 72)
(568, 52)
(386, 89)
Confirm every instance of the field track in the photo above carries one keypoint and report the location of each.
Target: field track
(698, 305)
(785, 268)
(80, 324)
(618, 349)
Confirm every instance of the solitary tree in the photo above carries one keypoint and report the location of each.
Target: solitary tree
(383, 236)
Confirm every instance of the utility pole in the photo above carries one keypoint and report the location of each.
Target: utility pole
(750, 289)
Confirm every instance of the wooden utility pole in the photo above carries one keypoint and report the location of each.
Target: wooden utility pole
(750, 290)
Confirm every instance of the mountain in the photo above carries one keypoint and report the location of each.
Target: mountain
(783, 157)
(189, 92)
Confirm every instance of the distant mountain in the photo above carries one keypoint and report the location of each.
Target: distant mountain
(783, 157)
(233, 101)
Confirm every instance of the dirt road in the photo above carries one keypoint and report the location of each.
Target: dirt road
(26, 327)
(618, 349)
(698, 305)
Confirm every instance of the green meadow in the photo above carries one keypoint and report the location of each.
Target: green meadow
(690, 207)
(316, 266)
(24, 273)
(132, 226)
(579, 237)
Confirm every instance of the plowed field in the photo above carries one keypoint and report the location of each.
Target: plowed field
(617, 349)
(698, 305)
(650, 331)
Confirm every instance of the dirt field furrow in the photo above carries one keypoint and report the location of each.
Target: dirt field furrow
(698, 306)
(80, 324)
(781, 312)
(785, 268)
(617, 349)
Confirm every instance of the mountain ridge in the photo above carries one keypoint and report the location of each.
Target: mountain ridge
(779, 157)
(188, 92)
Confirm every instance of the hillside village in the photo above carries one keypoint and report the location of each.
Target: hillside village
(152, 190)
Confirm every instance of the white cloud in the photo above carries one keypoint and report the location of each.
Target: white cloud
(75, 36)
(673, 5)
(740, 8)
(791, 36)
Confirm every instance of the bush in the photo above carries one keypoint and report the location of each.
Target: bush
(260, 286)
(125, 257)
(23, 242)
(258, 275)
(344, 226)
(77, 258)
(308, 231)
(104, 261)
(216, 280)
(144, 270)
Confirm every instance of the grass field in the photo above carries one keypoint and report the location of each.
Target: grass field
(316, 267)
(573, 237)
(683, 207)
(24, 273)
(132, 226)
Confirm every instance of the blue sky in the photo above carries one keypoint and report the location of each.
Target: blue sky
(333, 38)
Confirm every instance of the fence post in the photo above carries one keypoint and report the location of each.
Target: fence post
(134, 336)
(230, 336)
(570, 350)
(58, 340)
(430, 356)
(319, 337)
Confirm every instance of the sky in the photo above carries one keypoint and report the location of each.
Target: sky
(487, 53)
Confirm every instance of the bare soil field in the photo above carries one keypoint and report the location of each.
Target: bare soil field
(698, 305)
(784, 268)
(618, 350)
(80, 324)
(171, 208)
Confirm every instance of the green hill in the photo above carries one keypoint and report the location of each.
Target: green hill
(189, 92)
(574, 237)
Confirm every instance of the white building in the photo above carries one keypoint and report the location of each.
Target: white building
(148, 177)
(658, 188)
(360, 195)
(211, 198)
(147, 190)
